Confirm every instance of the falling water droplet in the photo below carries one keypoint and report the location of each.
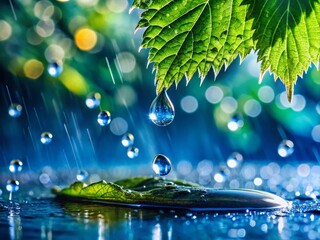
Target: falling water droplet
(12, 185)
(104, 118)
(161, 110)
(15, 166)
(132, 152)
(285, 148)
(15, 110)
(234, 160)
(46, 137)
(161, 165)
(235, 123)
(220, 177)
(82, 175)
(93, 100)
(54, 69)
(127, 140)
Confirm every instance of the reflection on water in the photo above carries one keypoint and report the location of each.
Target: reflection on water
(48, 219)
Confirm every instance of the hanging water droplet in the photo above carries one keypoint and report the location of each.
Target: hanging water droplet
(15, 110)
(82, 175)
(15, 166)
(235, 123)
(220, 177)
(127, 140)
(93, 100)
(161, 110)
(54, 69)
(46, 137)
(161, 165)
(285, 148)
(133, 152)
(104, 118)
(234, 160)
(12, 185)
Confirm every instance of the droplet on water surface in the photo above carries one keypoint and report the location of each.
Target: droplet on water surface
(15, 110)
(234, 160)
(82, 175)
(285, 148)
(93, 100)
(132, 152)
(235, 123)
(104, 118)
(54, 69)
(161, 111)
(127, 140)
(15, 166)
(12, 185)
(161, 165)
(46, 137)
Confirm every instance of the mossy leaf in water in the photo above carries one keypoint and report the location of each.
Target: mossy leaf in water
(158, 192)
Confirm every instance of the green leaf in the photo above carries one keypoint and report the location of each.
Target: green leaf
(158, 192)
(287, 33)
(189, 35)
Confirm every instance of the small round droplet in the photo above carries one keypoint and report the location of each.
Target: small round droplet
(161, 165)
(12, 185)
(161, 111)
(220, 177)
(82, 175)
(15, 166)
(235, 123)
(285, 148)
(54, 69)
(93, 100)
(15, 110)
(133, 152)
(104, 118)
(234, 160)
(46, 137)
(127, 140)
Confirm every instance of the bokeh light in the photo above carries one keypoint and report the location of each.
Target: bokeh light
(5, 30)
(85, 39)
(33, 69)
(189, 104)
(214, 94)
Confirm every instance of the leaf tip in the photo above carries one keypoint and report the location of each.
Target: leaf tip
(290, 91)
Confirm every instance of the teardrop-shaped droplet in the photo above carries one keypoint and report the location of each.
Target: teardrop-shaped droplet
(82, 175)
(127, 140)
(93, 100)
(104, 118)
(15, 166)
(161, 165)
(12, 185)
(161, 110)
(54, 69)
(132, 152)
(285, 148)
(235, 123)
(220, 176)
(46, 137)
(234, 160)
(15, 110)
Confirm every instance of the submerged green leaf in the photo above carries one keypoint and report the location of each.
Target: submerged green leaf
(185, 36)
(158, 192)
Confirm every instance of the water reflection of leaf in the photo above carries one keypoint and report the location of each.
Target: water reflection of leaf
(160, 193)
